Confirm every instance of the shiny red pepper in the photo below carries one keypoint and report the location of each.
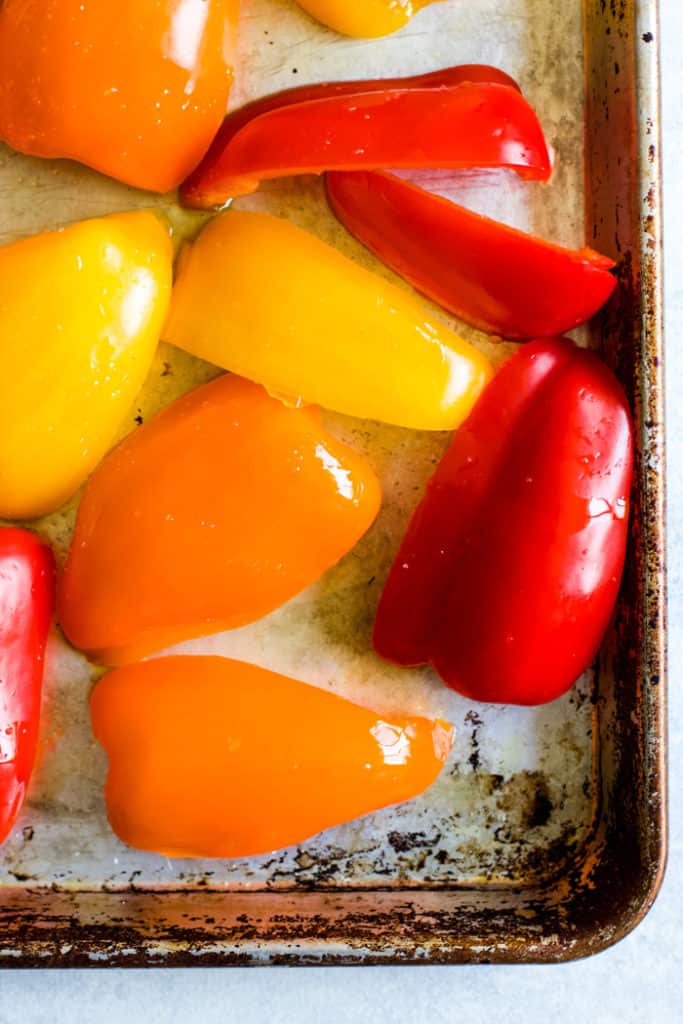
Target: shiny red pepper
(466, 116)
(27, 583)
(456, 75)
(492, 276)
(509, 572)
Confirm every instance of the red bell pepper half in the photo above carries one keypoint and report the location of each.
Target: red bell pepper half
(492, 276)
(509, 572)
(467, 116)
(27, 585)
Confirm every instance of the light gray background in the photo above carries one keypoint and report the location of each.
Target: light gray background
(639, 980)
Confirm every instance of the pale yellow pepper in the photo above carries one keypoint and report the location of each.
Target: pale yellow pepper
(80, 315)
(257, 295)
(364, 18)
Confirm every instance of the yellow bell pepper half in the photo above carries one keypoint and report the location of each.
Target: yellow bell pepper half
(364, 18)
(81, 310)
(257, 295)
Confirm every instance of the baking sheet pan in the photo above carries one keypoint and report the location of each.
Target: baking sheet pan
(544, 837)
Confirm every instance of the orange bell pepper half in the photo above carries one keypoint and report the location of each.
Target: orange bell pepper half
(460, 117)
(214, 758)
(213, 514)
(134, 88)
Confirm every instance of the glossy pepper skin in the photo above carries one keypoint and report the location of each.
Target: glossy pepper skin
(492, 276)
(509, 571)
(257, 295)
(213, 514)
(365, 19)
(205, 186)
(134, 88)
(214, 758)
(81, 311)
(27, 583)
(456, 118)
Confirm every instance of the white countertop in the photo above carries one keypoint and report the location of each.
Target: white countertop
(639, 980)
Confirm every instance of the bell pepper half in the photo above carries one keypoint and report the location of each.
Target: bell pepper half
(214, 758)
(134, 88)
(211, 515)
(494, 277)
(81, 311)
(260, 297)
(365, 19)
(27, 583)
(509, 572)
(462, 117)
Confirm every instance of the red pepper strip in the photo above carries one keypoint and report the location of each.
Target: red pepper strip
(27, 585)
(447, 77)
(498, 279)
(205, 181)
(379, 124)
(510, 568)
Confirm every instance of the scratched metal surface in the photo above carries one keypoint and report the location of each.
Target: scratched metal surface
(521, 796)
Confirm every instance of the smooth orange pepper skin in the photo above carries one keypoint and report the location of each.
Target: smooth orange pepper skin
(216, 512)
(81, 311)
(214, 758)
(257, 295)
(364, 18)
(134, 88)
